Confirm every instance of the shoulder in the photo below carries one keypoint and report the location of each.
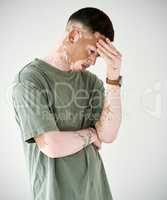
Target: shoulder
(93, 79)
(28, 81)
(31, 75)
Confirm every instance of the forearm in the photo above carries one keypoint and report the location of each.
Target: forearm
(109, 123)
(64, 143)
(110, 119)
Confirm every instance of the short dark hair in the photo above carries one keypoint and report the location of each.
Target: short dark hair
(94, 19)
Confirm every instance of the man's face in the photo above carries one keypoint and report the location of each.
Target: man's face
(83, 51)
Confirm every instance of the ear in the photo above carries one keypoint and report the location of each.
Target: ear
(74, 36)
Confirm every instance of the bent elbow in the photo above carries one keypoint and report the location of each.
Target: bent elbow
(109, 139)
(109, 136)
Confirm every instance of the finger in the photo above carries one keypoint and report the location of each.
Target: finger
(108, 47)
(110, 43)
(97, 145)
(110, 55)
(102, 54)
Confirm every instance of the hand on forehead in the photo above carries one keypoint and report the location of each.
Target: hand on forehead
(99, 36)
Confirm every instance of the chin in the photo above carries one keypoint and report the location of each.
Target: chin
(79, 67)
(76, 69)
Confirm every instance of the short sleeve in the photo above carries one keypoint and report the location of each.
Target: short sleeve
(32, 110)
(97, 100)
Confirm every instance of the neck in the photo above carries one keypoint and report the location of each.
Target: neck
(59, 57)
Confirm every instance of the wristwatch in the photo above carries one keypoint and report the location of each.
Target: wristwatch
(114, 82)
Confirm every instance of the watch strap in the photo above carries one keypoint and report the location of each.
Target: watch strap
(114, 82)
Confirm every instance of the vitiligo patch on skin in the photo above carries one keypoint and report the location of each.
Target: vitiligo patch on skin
(79, 27)
(78, 50)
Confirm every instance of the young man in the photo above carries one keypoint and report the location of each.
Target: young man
(64, 115)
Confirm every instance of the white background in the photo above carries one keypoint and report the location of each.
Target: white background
(136, 162)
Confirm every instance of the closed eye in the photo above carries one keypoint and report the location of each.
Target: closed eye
(94, 52)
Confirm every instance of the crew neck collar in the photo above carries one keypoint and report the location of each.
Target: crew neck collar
(53, 69)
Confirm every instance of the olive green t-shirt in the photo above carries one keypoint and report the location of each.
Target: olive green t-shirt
(46, 99)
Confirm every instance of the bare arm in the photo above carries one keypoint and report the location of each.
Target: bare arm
(57, 144)
(109, 123)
